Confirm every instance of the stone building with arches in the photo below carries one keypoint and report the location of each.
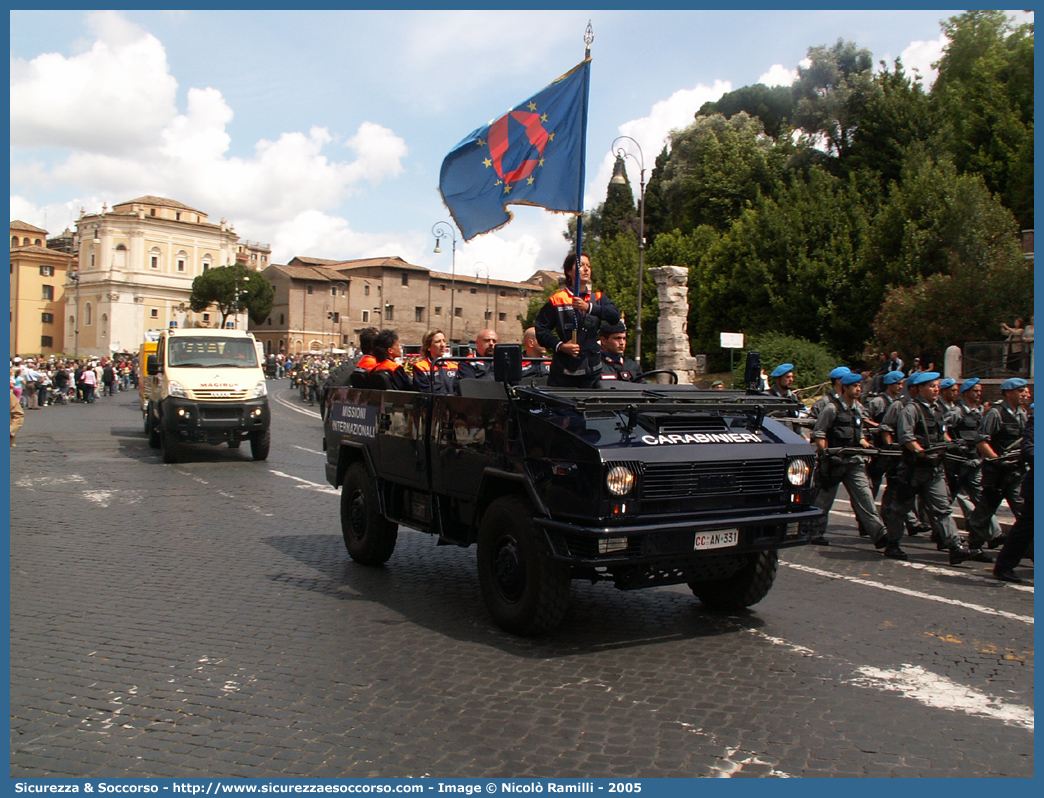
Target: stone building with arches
(137, 262)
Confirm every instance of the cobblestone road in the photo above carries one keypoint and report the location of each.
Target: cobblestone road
(203, 619)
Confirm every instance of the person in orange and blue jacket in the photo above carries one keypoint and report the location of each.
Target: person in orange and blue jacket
(386, 348)
(429, 376)
(575, 363)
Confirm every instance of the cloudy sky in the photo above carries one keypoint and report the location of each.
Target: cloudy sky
(322, 133)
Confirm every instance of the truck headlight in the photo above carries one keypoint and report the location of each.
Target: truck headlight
(260, 390)
(176, 389)
(798, 472)
(619, 480)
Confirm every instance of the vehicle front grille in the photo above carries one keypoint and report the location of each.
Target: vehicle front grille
(216, 395)
(674, 481)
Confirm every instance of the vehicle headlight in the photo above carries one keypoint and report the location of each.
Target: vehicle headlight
(798, 472)
(177, 389)
(260, 390)
(619, 480)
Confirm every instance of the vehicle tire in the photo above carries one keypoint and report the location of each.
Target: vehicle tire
(152, 428)
(170, 447)
(260, 442)
(234, 443)
(368, 536)
(749, 585)
(525, 590)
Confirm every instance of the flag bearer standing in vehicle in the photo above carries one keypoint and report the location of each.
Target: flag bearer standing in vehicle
(568, 325)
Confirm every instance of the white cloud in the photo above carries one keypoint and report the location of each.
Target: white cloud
(112, 106)
(920, 56)
(778, 75)
(117, 95)
(677, 111)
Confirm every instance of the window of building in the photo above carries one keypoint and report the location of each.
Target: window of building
(25, 241)
(154, 262)
(207, 262)
(366, 290)
(405, 278)
(502, 317)
(177, 216)
(92, 259)
(389, 312)
(269, 321)
(458, 312)
(474, 290)
(48, 293)
(87, 315)
(333, 290)
(336, 317)
(308, 290)
(154, 313)
(47, 318)
(181, 264)
(14, 241)
(152, 211)
(438, 310)
(206, 318)
(38, 242)
(46, 341)
(489, 314)
(281, 322)
(503, 292)
(366, 315)
(442, 286)
(418, 314)
(47, 271)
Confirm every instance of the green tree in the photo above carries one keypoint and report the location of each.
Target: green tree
(832, 92)
(656, 214)
(614, 265)
(772, 105)
(536, 302)
(619, 211)
(717, 168)
(219, 286)
(985, 96)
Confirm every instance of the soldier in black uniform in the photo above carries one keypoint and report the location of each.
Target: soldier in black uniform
(1000, 433)
(920, 473)
(470, 368)
(1021, 536)
(835, 389)
(840, 425)
(616, 365)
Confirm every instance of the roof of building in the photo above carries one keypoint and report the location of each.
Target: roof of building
(298, 272)
(17, 224)
(33, 249)
(149, 199)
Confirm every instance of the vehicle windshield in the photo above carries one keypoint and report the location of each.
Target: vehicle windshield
(207, 352)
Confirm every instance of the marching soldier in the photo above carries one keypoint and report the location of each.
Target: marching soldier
(884, 433)
(840, 426)
(920, 472)
(835, 389)
(782, 377)
(1000, 433)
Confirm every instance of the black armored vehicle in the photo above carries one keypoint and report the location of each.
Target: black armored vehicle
(641, 485)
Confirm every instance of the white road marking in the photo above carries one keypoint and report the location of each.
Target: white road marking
(938, 692)
(288, 406)
(925, 687)
(306, 484)
(310, 451)
(912, 593)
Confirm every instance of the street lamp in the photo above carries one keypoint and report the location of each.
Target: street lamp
(620, 179)
(484, 266)
(344, 290)
(235, 298)
(443, 230)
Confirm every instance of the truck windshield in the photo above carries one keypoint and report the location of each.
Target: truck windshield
(189, 352)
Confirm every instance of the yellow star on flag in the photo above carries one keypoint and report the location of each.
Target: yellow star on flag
(487, 163)
(530, 181)
(531, 106)
(507, 189)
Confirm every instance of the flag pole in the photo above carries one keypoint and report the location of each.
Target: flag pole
(588, 38)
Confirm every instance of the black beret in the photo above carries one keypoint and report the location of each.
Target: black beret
(612, 329)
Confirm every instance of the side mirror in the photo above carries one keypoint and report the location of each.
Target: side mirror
(151, 365)
(507, 363)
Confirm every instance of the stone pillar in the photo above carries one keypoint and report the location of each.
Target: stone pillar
(672, 341)
(953, 363)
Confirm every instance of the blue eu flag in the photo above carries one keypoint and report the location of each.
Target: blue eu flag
(532, 155)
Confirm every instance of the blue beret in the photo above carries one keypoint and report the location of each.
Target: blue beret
(921, 377)
(840, 372)
(1013, 384)
(851, 377)
(781, 369)
(969, 383)
(892, 377)
(949, 382)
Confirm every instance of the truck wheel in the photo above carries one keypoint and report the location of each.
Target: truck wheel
(170, 447)
(234, 443)
(525, 590)
(151, 428)
(259, 444)
(368, 536)
(744, 588)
